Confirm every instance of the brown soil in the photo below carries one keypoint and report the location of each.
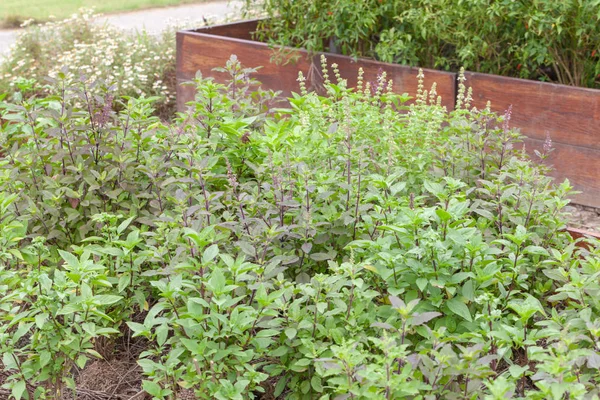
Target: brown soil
(5, 394)
(115, 379)
(186, 394)
(269, 387)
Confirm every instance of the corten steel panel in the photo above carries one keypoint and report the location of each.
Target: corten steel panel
(204, 49)
(570, 116)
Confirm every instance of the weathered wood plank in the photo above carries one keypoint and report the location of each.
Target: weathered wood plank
(581, 165)
(404, 78)
(581, 233)
(239, 30)
(570, 115)
(203, 52)
(200, 50)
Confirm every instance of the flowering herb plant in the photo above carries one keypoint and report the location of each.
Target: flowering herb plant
(348, 246)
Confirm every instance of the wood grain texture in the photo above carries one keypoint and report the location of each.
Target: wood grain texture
(580, 165)
(203, 52)
(207, 48)
(404, 78)
(239, 30)
(570, 115)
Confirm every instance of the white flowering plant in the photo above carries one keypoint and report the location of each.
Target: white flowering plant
(138, 64)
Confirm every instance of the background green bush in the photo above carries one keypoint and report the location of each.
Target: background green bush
(552, 40)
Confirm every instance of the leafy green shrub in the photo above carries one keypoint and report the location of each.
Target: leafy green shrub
(349, 246)
(550, 40)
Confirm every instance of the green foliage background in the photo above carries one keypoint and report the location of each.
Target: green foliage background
(554, 40)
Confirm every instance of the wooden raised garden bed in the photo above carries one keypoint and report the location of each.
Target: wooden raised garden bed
(207, 48)
(569, 115)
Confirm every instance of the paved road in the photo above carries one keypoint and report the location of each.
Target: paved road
(6, 39)
(153, 20)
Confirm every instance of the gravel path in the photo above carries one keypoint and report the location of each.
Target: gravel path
(153, 20)
(582, 217)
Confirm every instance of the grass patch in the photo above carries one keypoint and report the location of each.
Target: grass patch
(14, 12)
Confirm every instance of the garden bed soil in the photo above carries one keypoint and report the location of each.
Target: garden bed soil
(569, 116)
(116, 379)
